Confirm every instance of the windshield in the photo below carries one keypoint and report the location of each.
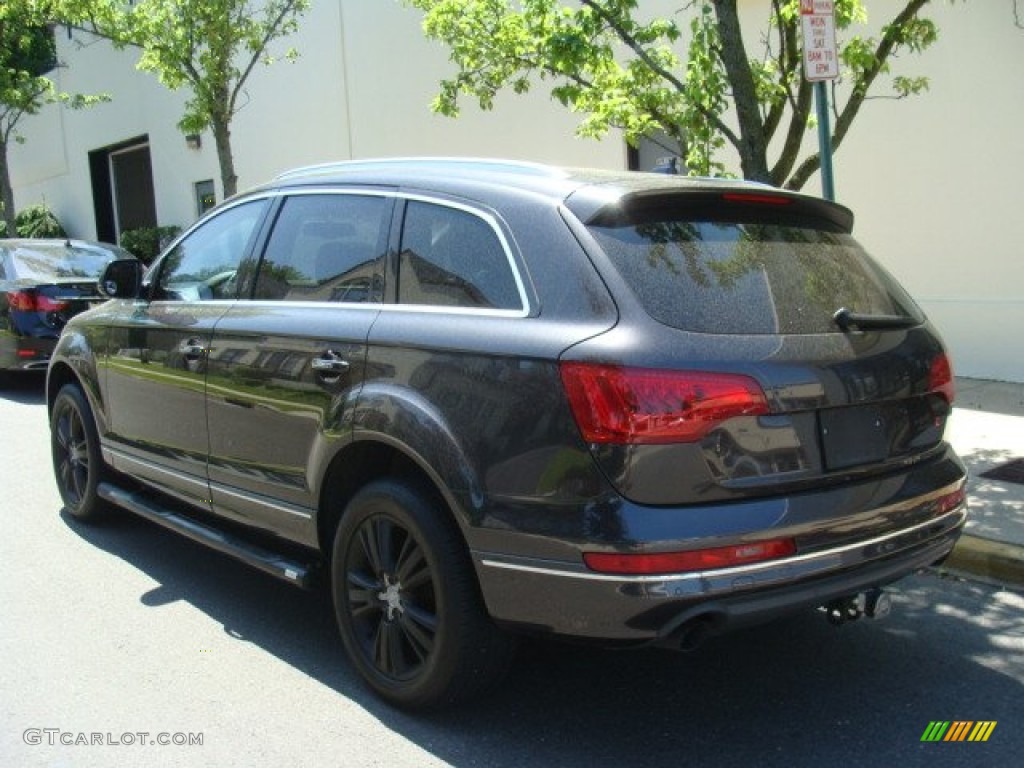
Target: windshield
(736, 278)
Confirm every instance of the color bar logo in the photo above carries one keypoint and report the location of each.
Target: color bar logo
(958, 730)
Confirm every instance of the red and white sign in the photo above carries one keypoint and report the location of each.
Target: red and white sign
(821, 58)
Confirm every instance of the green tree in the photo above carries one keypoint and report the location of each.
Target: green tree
(27, 53)
(619, 69)
(210, 47)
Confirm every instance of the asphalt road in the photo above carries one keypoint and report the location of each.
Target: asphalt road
(125, 629)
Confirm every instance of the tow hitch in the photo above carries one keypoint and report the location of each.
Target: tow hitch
(875, 604)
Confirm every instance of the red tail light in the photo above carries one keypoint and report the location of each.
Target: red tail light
(46, 304)
(636, 405)
(940, 378)
(693, 560)
(30, 301)
(24, 301)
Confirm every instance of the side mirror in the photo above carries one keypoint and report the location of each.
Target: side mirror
(121, 279)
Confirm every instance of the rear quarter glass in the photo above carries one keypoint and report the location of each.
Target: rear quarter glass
(739, 277)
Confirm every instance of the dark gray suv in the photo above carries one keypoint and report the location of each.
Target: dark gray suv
(485, 398)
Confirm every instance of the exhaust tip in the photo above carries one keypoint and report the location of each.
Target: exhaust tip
(695, 632)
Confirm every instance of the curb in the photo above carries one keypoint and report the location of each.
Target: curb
(992, 561)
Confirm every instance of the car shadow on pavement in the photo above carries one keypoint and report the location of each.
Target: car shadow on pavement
(25, 387)
(795, 692)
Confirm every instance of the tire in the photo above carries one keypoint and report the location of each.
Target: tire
(407, 601)
(77, 462)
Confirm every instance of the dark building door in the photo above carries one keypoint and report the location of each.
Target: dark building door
(122, 185)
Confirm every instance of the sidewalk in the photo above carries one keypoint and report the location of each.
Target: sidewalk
(987, 430)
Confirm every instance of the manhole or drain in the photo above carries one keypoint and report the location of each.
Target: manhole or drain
(1011, 472)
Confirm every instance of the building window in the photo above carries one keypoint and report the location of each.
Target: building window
(206, 198)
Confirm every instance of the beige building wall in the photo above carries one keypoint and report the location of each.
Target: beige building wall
(933, 179)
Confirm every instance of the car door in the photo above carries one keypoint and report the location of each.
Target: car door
(157, 355)
(286, 363)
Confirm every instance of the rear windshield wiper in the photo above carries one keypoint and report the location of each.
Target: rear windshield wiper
(846, 320)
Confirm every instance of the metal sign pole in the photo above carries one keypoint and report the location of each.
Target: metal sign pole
(821, 63)
(828, 186)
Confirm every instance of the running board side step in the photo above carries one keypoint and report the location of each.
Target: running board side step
(269, 562)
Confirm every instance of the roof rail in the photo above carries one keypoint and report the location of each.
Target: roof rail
(436, 164)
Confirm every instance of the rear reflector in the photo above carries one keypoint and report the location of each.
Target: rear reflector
(638, 405)
(693, 560)
(950, 501)
(940, 378)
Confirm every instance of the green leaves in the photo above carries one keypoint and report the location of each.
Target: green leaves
(209, 47)
(619, 69)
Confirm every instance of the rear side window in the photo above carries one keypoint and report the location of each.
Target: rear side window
(749, 278)
(450, 257)
(325, 247)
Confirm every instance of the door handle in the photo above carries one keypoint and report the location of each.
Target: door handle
(329, 364)
(193, 349)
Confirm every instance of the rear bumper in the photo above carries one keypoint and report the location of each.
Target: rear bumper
(566, 598)
(27, 353)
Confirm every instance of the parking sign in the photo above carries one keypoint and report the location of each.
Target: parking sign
(821, 59)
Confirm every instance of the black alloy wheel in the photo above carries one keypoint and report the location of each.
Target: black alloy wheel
(74, 445)
(407, 603)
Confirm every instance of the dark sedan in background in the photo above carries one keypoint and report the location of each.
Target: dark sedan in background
(43, 283)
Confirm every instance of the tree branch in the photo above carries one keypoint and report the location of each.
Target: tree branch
(631, 41)
(752, 147)
(789, 63)
(271, 33)
(646, 58)
(92, 29)
(795, 134)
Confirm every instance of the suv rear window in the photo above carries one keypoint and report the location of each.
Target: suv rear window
(749, 278)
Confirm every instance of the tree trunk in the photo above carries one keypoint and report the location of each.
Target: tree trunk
(222, 137)
(7, 193)
(752, 147)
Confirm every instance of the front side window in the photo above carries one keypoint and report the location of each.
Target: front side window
(450, 257)
(204, 265)
(326, 247)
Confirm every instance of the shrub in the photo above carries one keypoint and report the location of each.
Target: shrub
(147, 242)
(38, 221)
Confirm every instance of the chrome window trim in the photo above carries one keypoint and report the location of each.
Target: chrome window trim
(210, 216)
(490, 219)
(381, 307)
(492, 222)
